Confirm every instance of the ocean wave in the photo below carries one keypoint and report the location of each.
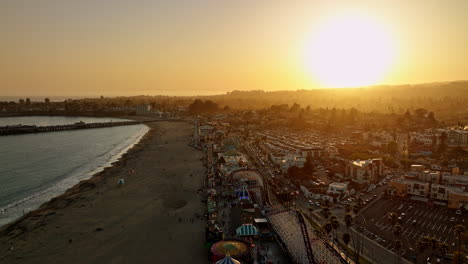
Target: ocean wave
(16, 209)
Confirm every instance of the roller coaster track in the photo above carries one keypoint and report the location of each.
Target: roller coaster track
(305, 237)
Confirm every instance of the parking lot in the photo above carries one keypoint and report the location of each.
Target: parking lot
(419, 219)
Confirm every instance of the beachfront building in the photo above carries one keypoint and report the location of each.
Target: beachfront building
(364, 171)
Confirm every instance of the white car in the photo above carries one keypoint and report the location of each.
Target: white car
(458, 212)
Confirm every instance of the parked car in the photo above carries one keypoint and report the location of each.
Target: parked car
(452, 220)
(458, 212)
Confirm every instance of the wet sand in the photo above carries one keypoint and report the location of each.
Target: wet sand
(151, 219)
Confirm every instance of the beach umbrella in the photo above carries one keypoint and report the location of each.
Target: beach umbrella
(228, 260)
(247, 230)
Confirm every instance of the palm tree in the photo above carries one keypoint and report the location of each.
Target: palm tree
(327, 228)
(459, 230)
(348, 208)
(335, 225)
(421, 246)
(434, 244)
(359, 201)
(346, 239)
(443, 248)
(397, 230)
(356, 209)
(348, 221)
(326, 212)
(393, 217)
(397, 244)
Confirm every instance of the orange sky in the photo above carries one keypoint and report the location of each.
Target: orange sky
(177, 47)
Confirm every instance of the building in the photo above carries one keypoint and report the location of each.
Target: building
(454, 197)
(365, 171)
(417, 168)
(440, 192)
(143, 109)
(457, 137)
(313, 152)
(403, 188)
(338, 188)
(457, 199)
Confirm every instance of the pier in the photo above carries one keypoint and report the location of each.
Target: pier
(24, 129)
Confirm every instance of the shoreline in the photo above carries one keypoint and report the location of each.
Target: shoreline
(72, 190)
(85, 175)
(99, 218)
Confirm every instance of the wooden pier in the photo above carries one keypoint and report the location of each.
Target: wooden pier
(20, 129)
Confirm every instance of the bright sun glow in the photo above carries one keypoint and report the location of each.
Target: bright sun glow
(349, 51)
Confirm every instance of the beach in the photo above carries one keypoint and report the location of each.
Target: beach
(151, 218)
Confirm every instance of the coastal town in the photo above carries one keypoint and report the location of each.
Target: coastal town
(234, 132)
(294, 185)
(324, 204)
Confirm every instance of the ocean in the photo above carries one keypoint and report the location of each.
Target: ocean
(37, 167)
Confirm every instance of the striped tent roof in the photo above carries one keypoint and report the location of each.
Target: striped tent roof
(243, 193)
(247, 230)
(228, 260)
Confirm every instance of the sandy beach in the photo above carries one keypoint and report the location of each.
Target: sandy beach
(151, 219)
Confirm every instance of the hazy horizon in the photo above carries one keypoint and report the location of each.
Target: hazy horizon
(59, 97)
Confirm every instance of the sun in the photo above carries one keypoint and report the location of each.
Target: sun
(349, 51)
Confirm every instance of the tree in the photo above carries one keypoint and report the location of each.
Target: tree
(443, 248)
(407, 114)
(28, 101)
(356, 209)
(431, 118)
(348, 220)
(459, 231)
(348, 208)
(443, 144)
(47, 101)
(421, 246)
(392, 216)
(346, 239)
(294, 108)
(327, 228)
(326, 212)
(335, 225)
(392, 148)
(308, 166)
(397, 244)
(198, 106)
(434, 244)
(397, 230)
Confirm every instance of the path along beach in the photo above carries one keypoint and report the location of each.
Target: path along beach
(150, 219)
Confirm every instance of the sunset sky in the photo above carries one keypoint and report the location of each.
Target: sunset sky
(188, 47)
